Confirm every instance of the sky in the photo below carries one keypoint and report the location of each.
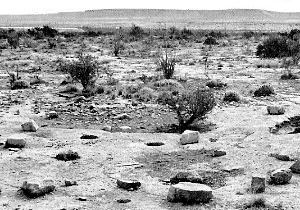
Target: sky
(52, 6)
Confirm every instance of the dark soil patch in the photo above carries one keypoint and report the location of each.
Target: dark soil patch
(154, 144)
(165, 165)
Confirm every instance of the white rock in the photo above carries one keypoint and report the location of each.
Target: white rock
(281, 176)
(187, 192)
(189, 137)
(125, 128)
(16, 141)
(107, 128)
(30, 126)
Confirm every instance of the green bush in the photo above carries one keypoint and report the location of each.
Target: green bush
(265, 90)
(190, 105)
(231, 97)
(167, 66)
(210, 41)
(216, 84)
(278, 47)
(83, 70)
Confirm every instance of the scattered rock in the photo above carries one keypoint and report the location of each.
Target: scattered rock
(184, 176)
(258, 184)
(155, 144)
(30, 126)
(52, 115)
(128, 184)
(34, 191)
(280, 176)
(87, 136)
(281, 157)
(70, 183)
(296, 167)
(275, 110)
(15, 141)
(67, 156)
(82, 198)
(125, 128)
(189, 137)
(107, 128)
(123, 200)
(187, 192)
(218, 153)
(122, 117)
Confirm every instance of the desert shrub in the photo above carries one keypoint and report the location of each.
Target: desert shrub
(145, 94)
(267, 64)
(118, 46)
(136, 32)
(100, 89)
(190, 105)
(13, 39)
(289, 76)
(20, 84)
(128, 90)
(278, 47)
(186, 33)
(265, 90)
(210, 41)
(166, 64)
(40, 33)
(216, 84)
(52, 43)
(231, 97)
(256, 203)
(84, 70)
(168, 85)
(248, 34)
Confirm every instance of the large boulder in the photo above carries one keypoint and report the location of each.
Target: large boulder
(16, 141)
(295, 168)
(280, 176)
(186, 192)
(128, 184)
(275, 110)
(189, 137)
(258, 184)
(30, 126)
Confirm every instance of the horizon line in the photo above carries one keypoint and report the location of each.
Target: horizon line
(163, 9)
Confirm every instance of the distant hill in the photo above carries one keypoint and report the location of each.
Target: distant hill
(153, 18)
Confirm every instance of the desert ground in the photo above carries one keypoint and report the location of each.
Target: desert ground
(241, 129)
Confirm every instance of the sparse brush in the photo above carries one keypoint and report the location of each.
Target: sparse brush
(210, 41)
(265, 90)
(231, 97)
(84, 70)
(167, 64)
(216, 84)
(190, 105)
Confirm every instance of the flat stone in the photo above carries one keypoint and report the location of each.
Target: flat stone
(34, 190)
(189, 137)
(218, 153)
(258, 184)
(52, 115)
(122, 117)
(186, 192)
(125, 128)
(295, 168)
(128, 184)
(275, 110)
(107, 128)
(280, 176)
(16, 141)
(30, 126)
(185, 176)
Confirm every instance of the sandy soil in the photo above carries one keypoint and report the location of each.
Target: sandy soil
(241, 129)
